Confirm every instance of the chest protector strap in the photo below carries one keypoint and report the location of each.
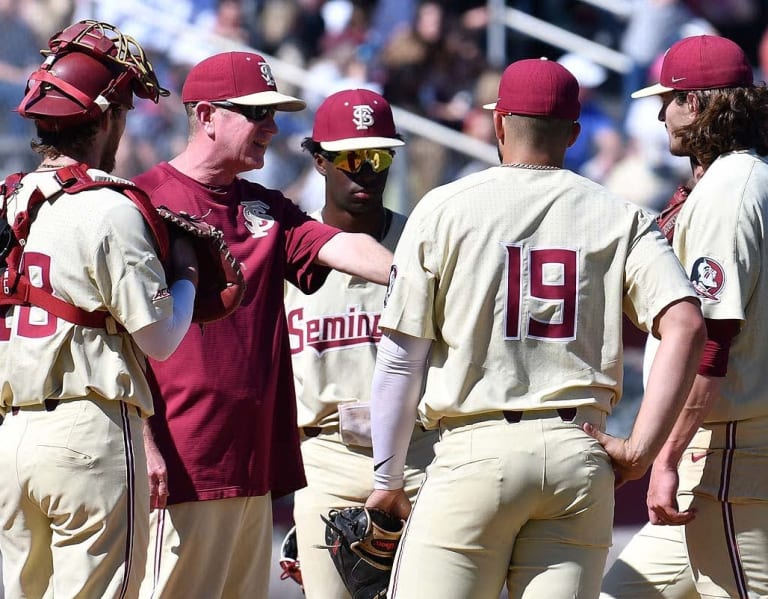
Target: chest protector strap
(17, 289)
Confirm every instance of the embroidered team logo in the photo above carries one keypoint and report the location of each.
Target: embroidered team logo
(708, 278)
(390, 284)
(331, 332)
(266, 73)
(257, 221)
(362, 116)
(161, 295)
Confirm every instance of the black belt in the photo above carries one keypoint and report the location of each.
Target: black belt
(566, 415)
(312, 431)
(50, 406)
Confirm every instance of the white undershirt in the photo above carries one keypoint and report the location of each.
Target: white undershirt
(401, 364)
(159, 339)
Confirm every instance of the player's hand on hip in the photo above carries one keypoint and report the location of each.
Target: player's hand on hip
(625, 467)
(662, 498)
(393, 502)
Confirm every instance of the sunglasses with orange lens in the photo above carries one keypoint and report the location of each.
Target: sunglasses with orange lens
(351, 161)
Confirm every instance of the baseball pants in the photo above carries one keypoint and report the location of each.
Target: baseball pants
(526, 502)
(339, 476)
(74, 501)
(726, 545)
(654, 564)
(216, 549)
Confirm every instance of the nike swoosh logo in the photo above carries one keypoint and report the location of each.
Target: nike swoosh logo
(380, 464)
(678, 79)
(695, 457)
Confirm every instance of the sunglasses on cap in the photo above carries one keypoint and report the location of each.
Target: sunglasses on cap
(252, 113)
(351, 161)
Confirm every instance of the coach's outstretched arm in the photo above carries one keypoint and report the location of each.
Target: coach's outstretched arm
(357, 254)
(682, 332)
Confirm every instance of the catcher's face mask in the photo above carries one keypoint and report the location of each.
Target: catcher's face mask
(88, 67)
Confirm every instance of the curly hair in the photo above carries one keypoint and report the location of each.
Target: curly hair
(729, 119)
(73, 141)
(311, 146)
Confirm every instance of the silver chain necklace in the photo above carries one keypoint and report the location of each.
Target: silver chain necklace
(535, 167)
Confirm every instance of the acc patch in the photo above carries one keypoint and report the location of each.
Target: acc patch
(390, 284)
(708, 278)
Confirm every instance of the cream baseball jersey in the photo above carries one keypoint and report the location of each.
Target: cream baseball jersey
(333, 334)
(92, 249)
(547, 262)
(719, 239)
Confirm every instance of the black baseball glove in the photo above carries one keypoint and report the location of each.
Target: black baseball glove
(362, 543)
(221, 285)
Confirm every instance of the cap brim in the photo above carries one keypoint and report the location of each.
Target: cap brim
(276, 99)
(361, 143)
(653, 90)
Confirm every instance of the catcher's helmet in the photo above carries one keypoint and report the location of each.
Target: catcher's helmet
(89, 66)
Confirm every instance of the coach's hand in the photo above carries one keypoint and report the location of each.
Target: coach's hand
(623, 456)
(394, 502)
(156, 470)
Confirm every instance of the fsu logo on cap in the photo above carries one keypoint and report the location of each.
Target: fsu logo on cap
(708, 278)
(266, 73)
(362, 116)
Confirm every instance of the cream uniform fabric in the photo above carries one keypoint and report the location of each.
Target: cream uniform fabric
(720, 232)
(334, 334)
(541, 326)
(74, 506)
(62, 360)
(720, 239)
(331, 333)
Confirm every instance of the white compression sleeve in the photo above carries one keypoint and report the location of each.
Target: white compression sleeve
(159, 339)
(395, 391)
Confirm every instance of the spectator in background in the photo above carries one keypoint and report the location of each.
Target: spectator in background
(45, 17)
(599, 146)
(19, 56)
(762, 56)
(652, 27)
(476, 123)
(431, 69)
(304, 28)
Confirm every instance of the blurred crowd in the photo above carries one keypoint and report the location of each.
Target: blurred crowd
(428, 57)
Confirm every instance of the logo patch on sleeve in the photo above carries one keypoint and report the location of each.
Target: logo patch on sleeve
(392, 277)
(708, 278)
(162, 294)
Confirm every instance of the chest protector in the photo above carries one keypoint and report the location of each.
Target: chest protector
(17, 288)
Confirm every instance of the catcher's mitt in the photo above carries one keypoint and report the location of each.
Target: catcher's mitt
(221, 284)
(362, 543)
(289, 558)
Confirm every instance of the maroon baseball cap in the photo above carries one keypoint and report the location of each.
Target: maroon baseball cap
(237, 77)
(538, 87)
(355, 119)
(701, 62)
